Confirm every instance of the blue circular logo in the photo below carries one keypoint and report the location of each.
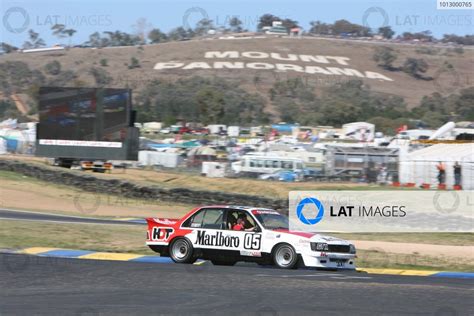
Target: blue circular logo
(20, 11)
(319, 207)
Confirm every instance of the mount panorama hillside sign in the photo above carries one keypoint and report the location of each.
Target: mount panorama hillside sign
(309, 64)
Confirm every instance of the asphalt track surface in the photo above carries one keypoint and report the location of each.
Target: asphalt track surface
(33, 216)
(33, 285)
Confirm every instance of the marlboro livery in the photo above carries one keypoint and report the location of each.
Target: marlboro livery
(227, 234)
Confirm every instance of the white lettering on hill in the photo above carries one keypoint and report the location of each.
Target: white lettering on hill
(302, 67)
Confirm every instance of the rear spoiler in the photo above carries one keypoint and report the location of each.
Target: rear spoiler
(161, 221)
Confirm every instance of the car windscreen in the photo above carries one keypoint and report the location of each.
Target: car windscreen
(271, 219)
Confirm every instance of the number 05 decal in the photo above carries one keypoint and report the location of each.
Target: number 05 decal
(252, 241)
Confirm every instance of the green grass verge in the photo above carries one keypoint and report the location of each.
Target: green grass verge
(386, 260)
(121, 238)
(450, 239)
(131, 239)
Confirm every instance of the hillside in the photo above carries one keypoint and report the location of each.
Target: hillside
(317, 62)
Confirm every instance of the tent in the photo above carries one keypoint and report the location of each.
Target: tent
(3, 146)
(419, 166)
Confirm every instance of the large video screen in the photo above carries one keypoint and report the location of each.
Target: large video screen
(83, 114)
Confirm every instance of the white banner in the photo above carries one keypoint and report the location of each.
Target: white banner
(382, 211)
(81, 143)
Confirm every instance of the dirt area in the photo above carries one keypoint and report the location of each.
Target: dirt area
(30, 194)
(173, 179)
(359, 54)
(465, 252)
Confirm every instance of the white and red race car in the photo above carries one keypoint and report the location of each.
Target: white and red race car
(227, 234)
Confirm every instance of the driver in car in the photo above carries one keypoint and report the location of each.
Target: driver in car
(242, 222)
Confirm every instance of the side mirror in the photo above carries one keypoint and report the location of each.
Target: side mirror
(256, 229)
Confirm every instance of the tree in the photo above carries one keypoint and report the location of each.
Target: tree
(119, 38)
(7, 48)
(211, 105)
(462, 40)
(386, 32)
(34, 42)
(289, 23)
(415, 67)
(134, 63)
(180, 33)
(142, 29)
(58, 30)
(101, 76)
(156, 36)
(95, 40)
(385, 56)
(345, 27)
(320, 28)
(339, 27)
(203, 26)
(424, 36)
(69, 33)
(235, 25)
(268, 19)
(53, 68)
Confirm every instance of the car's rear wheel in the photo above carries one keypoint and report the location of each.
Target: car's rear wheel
(285, 256)
(181, 251)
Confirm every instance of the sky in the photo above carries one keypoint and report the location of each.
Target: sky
(89, 16)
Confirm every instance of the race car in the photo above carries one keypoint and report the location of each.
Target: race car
(227, 234)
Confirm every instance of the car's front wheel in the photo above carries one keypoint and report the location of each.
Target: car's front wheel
(285, 256)
(181, 251)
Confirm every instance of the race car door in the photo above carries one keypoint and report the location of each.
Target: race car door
(242, 225)
(209, 230)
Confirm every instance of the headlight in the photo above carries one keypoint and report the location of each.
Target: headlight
(319, 246)
(352, 249)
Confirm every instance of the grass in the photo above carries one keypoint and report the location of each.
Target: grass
(386, 260)
(110, 238)
(450, 239)
(131, 239)
(27, 193)
(14, 176)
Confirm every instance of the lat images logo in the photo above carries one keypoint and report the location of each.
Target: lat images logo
(310, 201)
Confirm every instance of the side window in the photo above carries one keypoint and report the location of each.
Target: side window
(233, 216)
(268, 164)
(276, 164)
(207, 218)
(252, 163)
(213, 219)
(231, 219)
(195, 221)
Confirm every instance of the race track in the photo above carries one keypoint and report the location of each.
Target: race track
(51, 286)
(10, 214)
